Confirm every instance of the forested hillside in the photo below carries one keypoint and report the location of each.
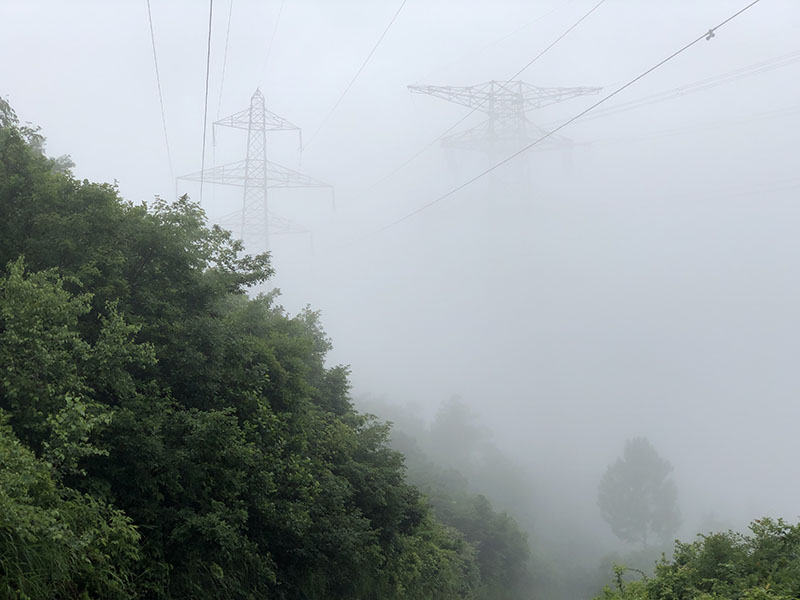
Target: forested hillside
(163, 435)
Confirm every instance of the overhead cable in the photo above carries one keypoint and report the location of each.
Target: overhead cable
(360, 69)
(224, 59)
(160, 94)
(494, 42)
(725, 124)
(272, 37)
(205, 102)
(479, 106)
(701, 85)
(708, 35)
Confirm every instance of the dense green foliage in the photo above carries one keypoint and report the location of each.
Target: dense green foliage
(636, 496)
(165, 436)
(162, 435)
(56, 542)
(762, 565)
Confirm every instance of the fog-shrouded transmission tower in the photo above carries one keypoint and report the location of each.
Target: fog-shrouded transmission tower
(506, 104)
(255, 222)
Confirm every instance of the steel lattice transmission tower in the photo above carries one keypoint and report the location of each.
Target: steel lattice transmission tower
(256, 174)
(506, 104)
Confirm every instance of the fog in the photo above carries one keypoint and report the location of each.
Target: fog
(641, 283)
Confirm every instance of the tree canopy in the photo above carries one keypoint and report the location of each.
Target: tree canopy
(163, 435)
(763, 565)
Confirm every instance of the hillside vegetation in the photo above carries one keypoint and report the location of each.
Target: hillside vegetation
(163, 435)
(763, 565)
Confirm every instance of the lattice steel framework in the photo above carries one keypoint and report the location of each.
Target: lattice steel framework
(506, 104)
(256, 174)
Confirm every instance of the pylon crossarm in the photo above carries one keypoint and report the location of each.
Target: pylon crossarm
(508, 137)
(538, 97)
(259, 116)
(277, 224)
(239, 120)
(277, 123)
(465, 96)
(503, 97)
(230, 174)
(234, 174)
(279, 176)
(272, 122)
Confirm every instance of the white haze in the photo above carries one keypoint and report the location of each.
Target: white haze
(642, 285)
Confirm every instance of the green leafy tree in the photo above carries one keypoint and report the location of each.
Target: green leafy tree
(637, 497)
(763, 565)
(180, 438)
(54, 541)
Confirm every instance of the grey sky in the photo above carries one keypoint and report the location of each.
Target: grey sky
(643, 286)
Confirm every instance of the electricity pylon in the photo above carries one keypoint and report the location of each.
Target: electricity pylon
(506, 104)
(256, 174)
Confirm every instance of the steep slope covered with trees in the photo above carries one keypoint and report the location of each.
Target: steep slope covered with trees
(164, 436)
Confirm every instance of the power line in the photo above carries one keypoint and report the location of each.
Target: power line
(224, 59)
(361, 68)
(787, 111)
(705, 36)
(476, 108)
(492, 43)
(160, 95)
(558, 39)
(205, 104)
(764, 66)
(705, 126)
(221, 88)
(272, 37)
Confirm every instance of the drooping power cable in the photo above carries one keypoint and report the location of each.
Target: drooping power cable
(160, 94)
(224, 59)
(360, 69)
(438, 138)
(704, 36)
(484, 47)
(205, 102)
(763, 66)
(272, 37)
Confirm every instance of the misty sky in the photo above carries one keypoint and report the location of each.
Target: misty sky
(636, 284)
